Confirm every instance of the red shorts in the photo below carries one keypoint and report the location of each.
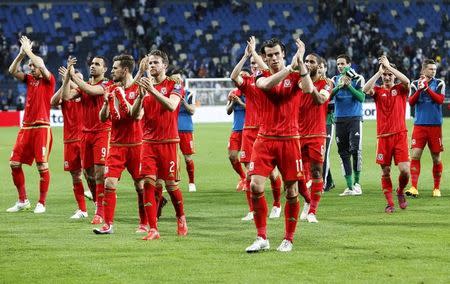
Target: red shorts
(160, 160)
(392, 146)
(282, 153)
(121, 157)
(32, 144)
(94, 148)
(187, 142)
(235, 141)
(72, 156)
(248, 139)
(427, 134)
(313, 149)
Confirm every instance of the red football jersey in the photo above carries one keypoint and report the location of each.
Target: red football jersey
(391, 108)
(127, 130)
(312, 116)
(37, 104)
(91, 109)
(279, 107)
(161, 124)
(252, 97)
(72, 112)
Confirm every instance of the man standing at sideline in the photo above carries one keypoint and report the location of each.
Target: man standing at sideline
(34, 140)
(72, 114)
(158, 102)
(392, 134)
(278, 142)
(95, 137)
(348, 99)
(427, 97)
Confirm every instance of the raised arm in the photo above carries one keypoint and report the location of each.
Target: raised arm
(399, 75)
(136, 109)
(306, 83)
(92, 90)
(258, 59)
(368, 87)
(235, 74)
(104, 111)
(14, 67)
(189, 107)
(37, 61)
(143, 67)
(68, 92)
(170, 103)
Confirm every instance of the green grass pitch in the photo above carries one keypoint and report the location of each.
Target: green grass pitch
(355, 241)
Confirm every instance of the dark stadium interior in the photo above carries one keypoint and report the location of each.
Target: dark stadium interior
(206, 38)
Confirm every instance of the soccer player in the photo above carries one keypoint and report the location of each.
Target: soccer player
(348, 99)
(427, 97)
(126, 139)
(392, 135)
(246, 84)
(72, 113)
(277, 144)
(34, 140)
(328, 183)
(236, 105)
(312, 130)
(186, 129)
(94, 141)
(159, 104)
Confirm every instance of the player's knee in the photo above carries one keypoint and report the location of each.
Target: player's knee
(291, 189)
(386, 171)
(187, 158)
(14, 164)
(76, 176)
(42, 166)
(436, 157)
(256, 187)
(110, 183)
(233, 158)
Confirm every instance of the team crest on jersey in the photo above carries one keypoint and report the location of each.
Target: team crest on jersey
(177, 87)
(394, 93)
(258, 73)
(287, 83)
(132, 95)
(163, 91)
(327, 87)
(77, 100)
(34, 83)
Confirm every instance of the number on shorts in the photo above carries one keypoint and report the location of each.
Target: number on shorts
(103, 152)
(172, 166)
(299, 165)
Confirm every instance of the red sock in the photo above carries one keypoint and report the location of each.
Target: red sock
(238, 168)
(78, 191)
(19, 182)
(276, 191)
(142, 216)
(386, 185)
(100, 192)
(150, 205)
(158, 193)
(248, 194)
(109, 205)
(306, 171)
(291, 210)
(415, 172)
(190, 170)
(437, 172)
(303, 190)
(402, 183)
(260, 214)
(44, 182)
(177, 200)
(316, 193)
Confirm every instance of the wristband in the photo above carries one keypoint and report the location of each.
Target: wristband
(289, 68)
(303, 75)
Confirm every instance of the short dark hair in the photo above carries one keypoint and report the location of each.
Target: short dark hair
(272, 43)
(346, 57)
(160, 53)
(427, 61)
(126, 61)
(317, 56)
(105, 61)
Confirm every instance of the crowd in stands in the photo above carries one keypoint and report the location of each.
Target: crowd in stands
(354, 30)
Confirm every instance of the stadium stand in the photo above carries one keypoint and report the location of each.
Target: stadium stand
(207, 37)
